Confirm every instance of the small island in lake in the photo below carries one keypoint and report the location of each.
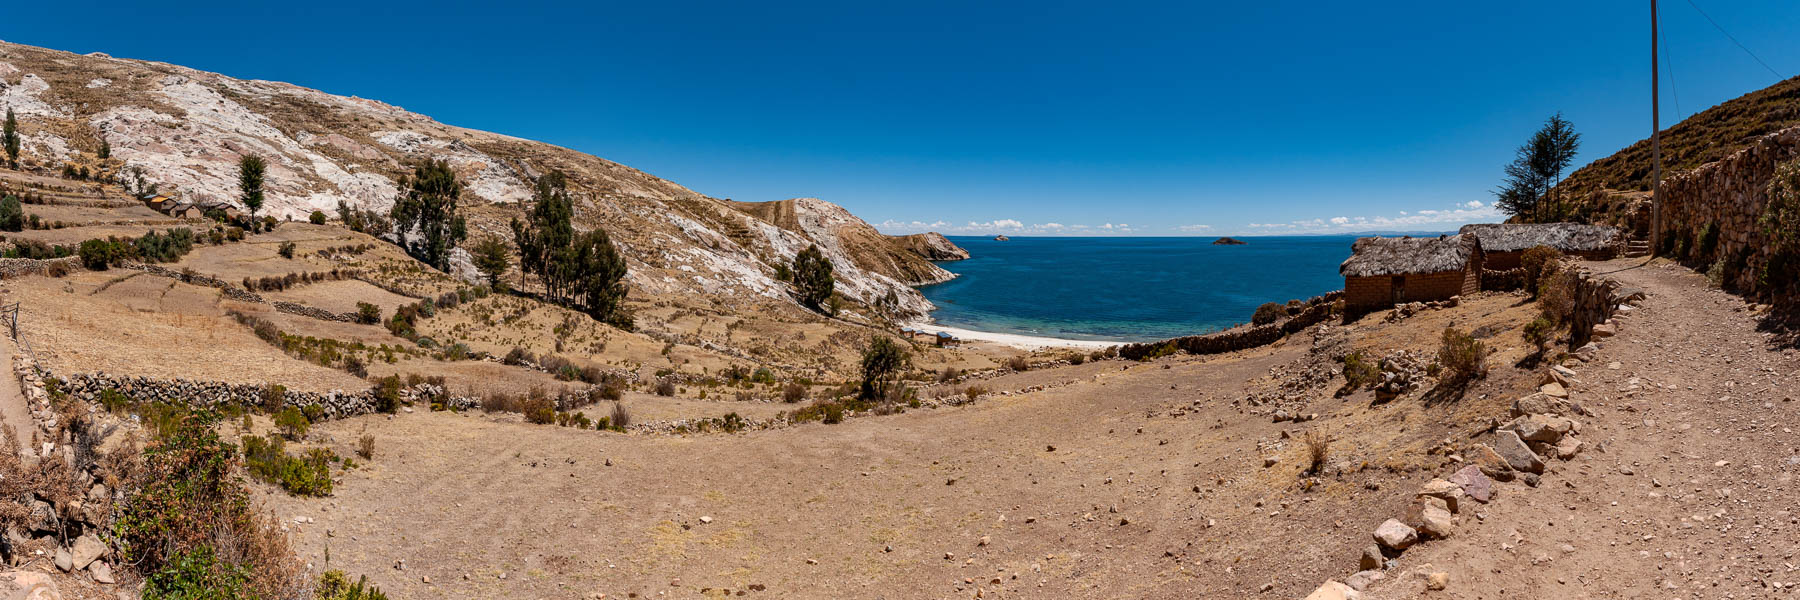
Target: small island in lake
(1229, 241)
(1001, 238)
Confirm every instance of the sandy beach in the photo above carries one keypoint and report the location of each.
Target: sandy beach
(1027, 342)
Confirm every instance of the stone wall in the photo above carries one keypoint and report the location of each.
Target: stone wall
(1732, 194)
(334, 404)
(1317, 310)
(1502, 281)
(186, 276)
(20, 267)
(314, 312)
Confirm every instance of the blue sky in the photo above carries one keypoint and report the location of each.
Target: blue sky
(1053, 118)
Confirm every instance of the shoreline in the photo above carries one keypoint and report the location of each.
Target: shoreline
(1020, 341)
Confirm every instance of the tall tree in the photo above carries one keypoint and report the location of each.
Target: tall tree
(493, 257)
(105, 151)
(1536, 168)
(599, 278)
(581, 269)
(548, 232)
(9, 137)
(425, 213)
(250, 182)
(812, 276)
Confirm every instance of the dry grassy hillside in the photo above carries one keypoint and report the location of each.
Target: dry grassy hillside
(186, 130)
(1710, 135)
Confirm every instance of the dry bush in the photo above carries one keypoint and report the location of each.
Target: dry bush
(1461, 358)
(620, 417)
(1358, 372)
(501, 402)
(949, 374)
(1018, 363)
(665, 387)
(1318, 450)
(975, 391)
(794, 392)
(365, 447)
(1268, 313)
(1538, 261)
(1556, 296)
(1077, 359)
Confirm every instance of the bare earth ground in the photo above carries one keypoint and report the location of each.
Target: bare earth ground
(1693, 495)
(1091, 488)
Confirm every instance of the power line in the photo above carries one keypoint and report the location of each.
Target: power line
(1734, 40)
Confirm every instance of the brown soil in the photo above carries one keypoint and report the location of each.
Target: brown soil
(1688, 488)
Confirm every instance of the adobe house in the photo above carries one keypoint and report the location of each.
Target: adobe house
(1503, 243)
(1382, 272)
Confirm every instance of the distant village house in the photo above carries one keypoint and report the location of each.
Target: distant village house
(1382, 272)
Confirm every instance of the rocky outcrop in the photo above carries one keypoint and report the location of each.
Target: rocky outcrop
(186, 129)
(931, 246)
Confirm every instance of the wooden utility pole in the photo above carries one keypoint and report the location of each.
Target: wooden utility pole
(1655, 142)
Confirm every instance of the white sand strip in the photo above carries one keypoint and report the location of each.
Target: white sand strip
(1026, 342)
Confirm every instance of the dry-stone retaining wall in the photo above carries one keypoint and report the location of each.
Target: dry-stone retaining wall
(212, 394)
(1317, 310)
(1731, 193)
(231, 291)
(19, 267)
(314, 312)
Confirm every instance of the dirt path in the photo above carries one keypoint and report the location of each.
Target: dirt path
(1687, 489)
(15, 412)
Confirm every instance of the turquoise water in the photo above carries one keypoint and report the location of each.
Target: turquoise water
(1129, 289)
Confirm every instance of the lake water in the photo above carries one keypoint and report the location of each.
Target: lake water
(1131, 288)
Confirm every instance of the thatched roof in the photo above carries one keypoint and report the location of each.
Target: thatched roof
(1379, 256)
(1567, 237)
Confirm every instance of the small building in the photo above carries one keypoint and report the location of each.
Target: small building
(1502, 244)
(1383, 271)
(157, 203)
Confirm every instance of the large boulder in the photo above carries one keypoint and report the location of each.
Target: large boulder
(1491, 463)
(1517, 454)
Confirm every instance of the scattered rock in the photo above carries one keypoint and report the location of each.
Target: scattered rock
(87, 549)
(1554, 390)
(1371, 558)
(1517, 454)
(1540, 428)
(101, 572)
(704, 520)
(1396, 535)
(1541, 403)
(28, 585)
(1474, 484)
(1364, 578)
(1449, 492)
(1437, 581)
(1436, 522)
(1333, 590)
(64, 560)
(1491, 463)
(1568, 448)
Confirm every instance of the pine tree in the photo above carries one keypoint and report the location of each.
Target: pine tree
(493, 257)
(105, 151)
(1537, 166)
(425, 213)
(812, 276)
(9, 137)
(250, 182)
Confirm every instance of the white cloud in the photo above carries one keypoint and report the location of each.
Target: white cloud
(1473, 211)
(1193, 228)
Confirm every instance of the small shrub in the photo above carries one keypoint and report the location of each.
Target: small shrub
(292, 423)
(612, 389)
(368, 314)
(286, 249)
(665, 387)
(1715, 275)
(1358, 372)
(1539, 332)
(197, 575)
(1461, 358)
(354, 366)
(365, 446)
(1556, 296)
(274, 397)
(881, 367)
(1077, 359)
(1536, 261)
(1318, 450)
(620, 418)
(387, 394)
(538, 409)
(97, 255)
(974, 391)
(335, 585)
(794, 392)
(1268, 313)
(317, 217)
(267, 459)
(518, 356)
(1018, 363)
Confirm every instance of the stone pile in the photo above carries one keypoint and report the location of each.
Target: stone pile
(1402, 371)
